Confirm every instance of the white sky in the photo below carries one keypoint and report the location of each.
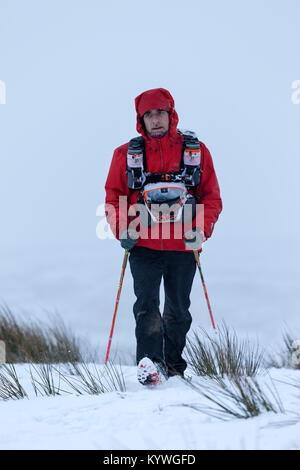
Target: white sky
(72, 70)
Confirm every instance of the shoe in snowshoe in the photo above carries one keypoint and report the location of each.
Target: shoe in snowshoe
(148, 373)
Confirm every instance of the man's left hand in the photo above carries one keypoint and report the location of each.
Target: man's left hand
(194, 239)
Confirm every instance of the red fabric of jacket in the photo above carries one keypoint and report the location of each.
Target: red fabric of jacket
(163, 155)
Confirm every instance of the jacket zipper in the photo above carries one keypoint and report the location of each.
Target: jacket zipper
(162, 170)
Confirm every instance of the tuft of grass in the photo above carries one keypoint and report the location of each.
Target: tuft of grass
(284, 356)
(10, 386)
(237, 397)
(54, 355)
(84, 379)
(228, 367)
(113, 377)
(43, 379)
(36, 342)
(222, 353)
(46, 379)
(88, 378)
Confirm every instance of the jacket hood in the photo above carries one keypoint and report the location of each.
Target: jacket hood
(157, 98)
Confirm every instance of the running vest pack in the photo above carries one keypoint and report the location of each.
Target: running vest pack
(189, 174)
(165, 194)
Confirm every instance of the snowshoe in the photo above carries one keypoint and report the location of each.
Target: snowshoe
(148, 373)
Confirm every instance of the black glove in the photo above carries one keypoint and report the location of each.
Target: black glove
(194, 239)
(128, 239)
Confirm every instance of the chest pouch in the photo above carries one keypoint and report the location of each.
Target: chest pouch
(165, 201)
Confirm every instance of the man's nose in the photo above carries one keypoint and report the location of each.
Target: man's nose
(155, 119)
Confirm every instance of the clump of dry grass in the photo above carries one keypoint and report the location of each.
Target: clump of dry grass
(88, 378)
(32, 341)
(237, 397)
(54, 356)
(44, 379)
(288, 355)
(10, 386)
(228, 367)
(222, 353)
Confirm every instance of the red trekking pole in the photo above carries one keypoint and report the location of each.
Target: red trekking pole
(117, 304)
(204, 287)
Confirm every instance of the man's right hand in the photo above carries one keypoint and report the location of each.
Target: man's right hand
(194, 239)
(128, 239)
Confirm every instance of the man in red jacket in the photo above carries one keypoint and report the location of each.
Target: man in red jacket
(162, 201)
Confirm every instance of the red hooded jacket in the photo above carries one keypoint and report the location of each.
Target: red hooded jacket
(163, 155)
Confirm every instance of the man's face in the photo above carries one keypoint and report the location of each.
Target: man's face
(156, 122)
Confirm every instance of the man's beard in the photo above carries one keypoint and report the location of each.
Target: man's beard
(158, 133)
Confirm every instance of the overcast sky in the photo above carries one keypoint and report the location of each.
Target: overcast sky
(72, 70)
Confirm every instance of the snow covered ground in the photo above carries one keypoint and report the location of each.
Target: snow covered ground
(81, 286)
(144, 418)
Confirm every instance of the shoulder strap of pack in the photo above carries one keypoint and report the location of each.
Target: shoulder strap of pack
(190, 159)
(137, 145)
(190, 141)
(190, 175)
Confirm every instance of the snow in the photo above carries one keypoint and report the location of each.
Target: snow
(71, 282)
(144, 418)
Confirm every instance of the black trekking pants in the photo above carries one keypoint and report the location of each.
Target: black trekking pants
(162, 338)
